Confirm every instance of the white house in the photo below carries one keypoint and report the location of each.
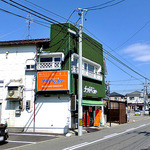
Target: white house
(17, 86)
(135, 100)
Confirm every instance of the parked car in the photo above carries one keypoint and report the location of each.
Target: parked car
(137, 112)
(146, 112)
(3, 132)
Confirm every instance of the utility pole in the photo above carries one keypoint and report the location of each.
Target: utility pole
(145, 95)
(108, 88)
(80, 108)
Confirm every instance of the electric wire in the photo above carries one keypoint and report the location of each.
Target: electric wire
(21, 17)
(125, 84)
(112, 50)
(100, 4)
(115, 52)
(31, 11)
(125, 80)
(112, 56)
(134, 34)
(46, 10)
(52, 19)
(113, 62)
(47, 17)
(63, 26)
(58, 23)
(107, 6)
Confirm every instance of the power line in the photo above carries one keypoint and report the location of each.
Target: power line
(100, 4)
(109, 48)
(113, 62)
(51, 11)
(125, 80)
(58, 23)
(21, 16)
(105, 51)
(45, 9)
(125, 84)
(107, 6)
(53, 21)
(134, 34)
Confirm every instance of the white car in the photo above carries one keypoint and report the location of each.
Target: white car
(146, 112)
(137, 112)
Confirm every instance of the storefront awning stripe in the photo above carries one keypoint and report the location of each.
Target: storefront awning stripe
(92, 103)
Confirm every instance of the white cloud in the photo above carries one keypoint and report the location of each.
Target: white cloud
(138, 52)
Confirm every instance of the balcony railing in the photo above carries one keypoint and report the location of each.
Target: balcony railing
(86, 73)
(49, 65)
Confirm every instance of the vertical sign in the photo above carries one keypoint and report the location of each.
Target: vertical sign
(97, 118)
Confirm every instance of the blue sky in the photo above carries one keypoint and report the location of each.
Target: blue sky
(123, 30)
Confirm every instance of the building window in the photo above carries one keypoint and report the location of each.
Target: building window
(57, 59)
(85, 66)
(131, 98)
(90, 68)
(30, 65)
(116, 98)
(46, 59)
(74, 62)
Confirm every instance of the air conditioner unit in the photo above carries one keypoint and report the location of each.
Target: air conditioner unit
(14, 93)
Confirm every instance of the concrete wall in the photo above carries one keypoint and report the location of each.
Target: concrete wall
(52, 115)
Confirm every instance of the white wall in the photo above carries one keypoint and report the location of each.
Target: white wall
(12, 66)
(53, 115)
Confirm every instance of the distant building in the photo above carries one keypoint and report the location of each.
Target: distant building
(117, 97)
(135, 100)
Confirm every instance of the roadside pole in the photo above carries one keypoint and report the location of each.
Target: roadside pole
(80, 108)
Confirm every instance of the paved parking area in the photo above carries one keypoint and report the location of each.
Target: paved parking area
(20, 139)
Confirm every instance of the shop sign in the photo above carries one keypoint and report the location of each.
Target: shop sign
(53, 81)
(90, 90)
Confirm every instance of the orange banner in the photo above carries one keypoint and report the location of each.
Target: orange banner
(53, 81)
(97, 118)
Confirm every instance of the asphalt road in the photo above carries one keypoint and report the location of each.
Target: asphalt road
(22, 139)
(129, 136)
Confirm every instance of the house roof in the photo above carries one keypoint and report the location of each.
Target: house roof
(114, 94)
(134, 94)
(24, 42)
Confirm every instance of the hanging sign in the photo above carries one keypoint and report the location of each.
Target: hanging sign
(53, 81)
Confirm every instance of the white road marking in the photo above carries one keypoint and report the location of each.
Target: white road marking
(104, 138)
(77, 146)
(32, 134)
(9, 141)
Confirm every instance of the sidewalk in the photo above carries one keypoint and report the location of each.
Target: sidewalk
(85, 130)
